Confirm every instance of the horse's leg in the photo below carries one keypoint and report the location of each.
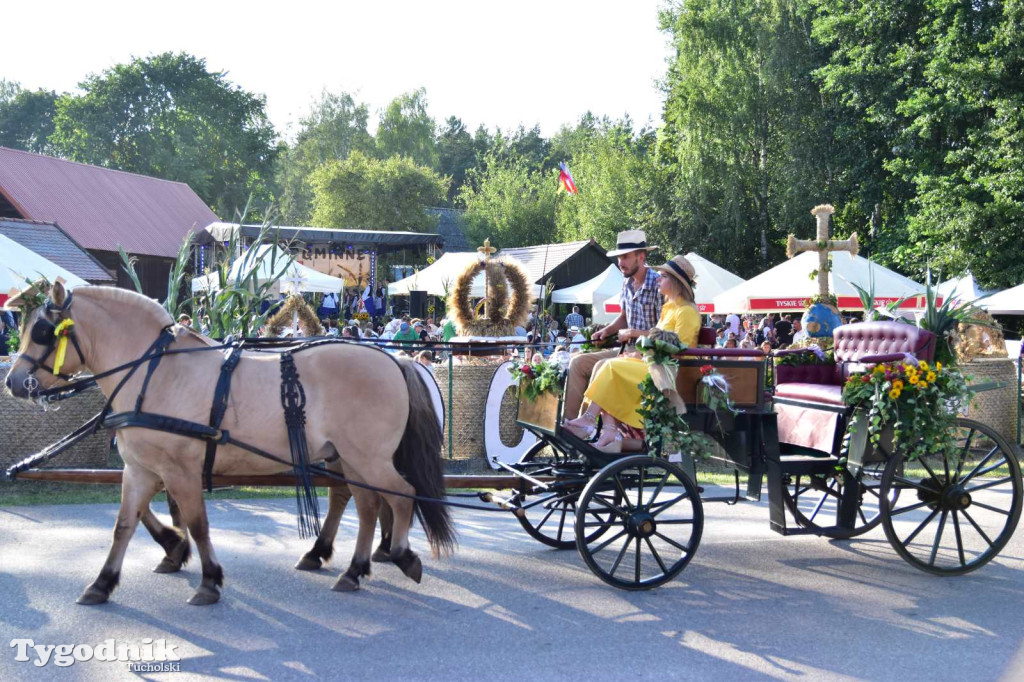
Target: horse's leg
(387, 478)
(387, 521)
(172, 538)
(137, 488)
(367, 504)
(188, 491)
(323, 548)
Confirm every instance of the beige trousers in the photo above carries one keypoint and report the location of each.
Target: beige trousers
(581, 368)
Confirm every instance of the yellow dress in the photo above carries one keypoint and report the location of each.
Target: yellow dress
(616, 387)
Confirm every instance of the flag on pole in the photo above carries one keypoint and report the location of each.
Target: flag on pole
(565, 177)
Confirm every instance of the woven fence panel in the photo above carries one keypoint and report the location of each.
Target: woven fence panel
(27, 429)
(996, 408)
(470, 385)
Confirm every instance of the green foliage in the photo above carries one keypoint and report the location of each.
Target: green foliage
(168, 116)
(457, 154)
(509, 201)
(334, 127)
(364, 193)
(918, 402)
(26, 117)
(942, 320)
(13, 340)
(534, 380)
(406, 129)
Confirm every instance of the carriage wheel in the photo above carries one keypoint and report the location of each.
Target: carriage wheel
(655, 524)
(550, 516)
(955, 510)
(814, 502)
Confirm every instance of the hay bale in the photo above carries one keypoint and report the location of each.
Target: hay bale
(996, 408)
(27, 429)
(470, 385)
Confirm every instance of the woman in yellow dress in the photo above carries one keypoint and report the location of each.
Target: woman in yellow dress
(614, 392)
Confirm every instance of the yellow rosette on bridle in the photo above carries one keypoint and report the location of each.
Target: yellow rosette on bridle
(62, 332)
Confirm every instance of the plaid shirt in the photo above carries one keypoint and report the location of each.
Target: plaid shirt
(574, 320)
(643, 307)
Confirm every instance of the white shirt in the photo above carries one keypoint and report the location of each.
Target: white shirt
(733, 322)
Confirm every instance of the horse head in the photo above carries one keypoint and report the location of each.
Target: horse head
(49, 354)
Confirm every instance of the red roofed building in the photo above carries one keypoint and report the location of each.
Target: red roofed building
(102, 209)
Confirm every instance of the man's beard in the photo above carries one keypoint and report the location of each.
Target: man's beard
(631, 271)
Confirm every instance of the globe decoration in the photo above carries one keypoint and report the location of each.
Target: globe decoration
(821, 319)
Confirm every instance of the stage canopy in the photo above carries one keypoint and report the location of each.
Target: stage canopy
(961, 288)
(1009, 302)
(788, 286)
(380, 239)
(712, 280)
(18, 263)
(293, 274)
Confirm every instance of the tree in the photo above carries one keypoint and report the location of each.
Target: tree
(26, 117)
(334, 127)
(170, 117)
(510, 202)
(745, 132)
(621, 186)
(361, 192)
(457, 153)
(406, 129)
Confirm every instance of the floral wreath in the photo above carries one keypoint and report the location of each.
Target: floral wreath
(505, 312)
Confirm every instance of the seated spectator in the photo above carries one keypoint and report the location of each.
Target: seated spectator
(720, 337)
(425, 358)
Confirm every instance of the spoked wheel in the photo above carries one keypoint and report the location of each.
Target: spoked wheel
(952, 512)
(549, 516)
(655, 522)
(815, 502)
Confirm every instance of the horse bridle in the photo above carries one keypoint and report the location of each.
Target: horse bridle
(44, 333)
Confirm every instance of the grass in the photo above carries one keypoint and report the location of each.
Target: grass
(32, 493)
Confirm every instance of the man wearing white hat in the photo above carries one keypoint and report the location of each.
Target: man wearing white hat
(641, 306)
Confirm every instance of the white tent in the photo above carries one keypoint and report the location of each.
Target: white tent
(18, 263)
(293, 274)
(1009, 302)
(962, 288)
(443, 272)
(712, 280)
(787, 286)
(594, 292)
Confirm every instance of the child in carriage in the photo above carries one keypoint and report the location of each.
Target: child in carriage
(614, 392)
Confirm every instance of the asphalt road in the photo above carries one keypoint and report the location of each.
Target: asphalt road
(752, 605)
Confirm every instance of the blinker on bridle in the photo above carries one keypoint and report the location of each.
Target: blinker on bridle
(54, 337)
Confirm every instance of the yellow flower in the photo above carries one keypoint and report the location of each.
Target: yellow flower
(894, 394)
(923, 385)
(938, 366)
(923, 365)
(931, 377)
(897, 385)
(879, 369)
(907, 368)
(913, 378)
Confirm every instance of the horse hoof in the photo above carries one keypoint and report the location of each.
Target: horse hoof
(92, 596)
(346, 584)
(167, 565)
(414, 569)
(381, 556)
(204, 596)
(309, 563)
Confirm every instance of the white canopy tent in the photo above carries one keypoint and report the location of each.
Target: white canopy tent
(1008, 302)
(787, 286)
(292, 274)
(18, 263)
(962, 288)
(712, 280)
(594, 292)
(443, 272)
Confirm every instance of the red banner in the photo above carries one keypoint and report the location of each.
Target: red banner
(703, 308)
(845, 303)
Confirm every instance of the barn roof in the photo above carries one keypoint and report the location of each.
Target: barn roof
(101, 208)
(54, 244)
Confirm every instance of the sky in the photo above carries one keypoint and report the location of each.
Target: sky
(497, 63)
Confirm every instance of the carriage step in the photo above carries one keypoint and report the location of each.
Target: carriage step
(804, 465)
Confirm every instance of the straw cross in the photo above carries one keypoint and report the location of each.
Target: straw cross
(823, 245)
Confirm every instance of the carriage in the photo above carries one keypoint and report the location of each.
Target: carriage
(637, 518)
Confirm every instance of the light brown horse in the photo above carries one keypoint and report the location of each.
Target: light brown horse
(370, 409)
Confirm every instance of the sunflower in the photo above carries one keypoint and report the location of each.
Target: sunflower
(923, 385)
(897, 385)
(930, 377)
(914, 379)
(894, 394)
(923, 365)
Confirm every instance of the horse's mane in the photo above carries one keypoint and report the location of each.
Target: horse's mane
(144, 308)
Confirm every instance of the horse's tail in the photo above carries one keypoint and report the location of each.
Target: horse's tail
(418, 458)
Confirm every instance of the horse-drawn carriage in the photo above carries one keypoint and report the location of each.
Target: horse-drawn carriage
(637, 519)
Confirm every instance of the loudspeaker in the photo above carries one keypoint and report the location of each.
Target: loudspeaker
(418, 304)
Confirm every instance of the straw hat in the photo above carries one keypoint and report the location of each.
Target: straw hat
(682, 270)
(629, 241)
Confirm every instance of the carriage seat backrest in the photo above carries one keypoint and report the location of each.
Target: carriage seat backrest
(707, 336)
(854, 341)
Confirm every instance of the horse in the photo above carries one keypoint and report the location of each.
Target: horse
(367, 409)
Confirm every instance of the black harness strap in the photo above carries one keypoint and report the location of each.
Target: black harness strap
(219, 407)
(293, 399)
